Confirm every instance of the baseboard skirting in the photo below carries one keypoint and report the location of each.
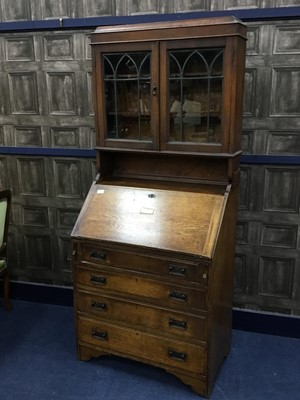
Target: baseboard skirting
(245, 320)
(40, 293)
(268, 323)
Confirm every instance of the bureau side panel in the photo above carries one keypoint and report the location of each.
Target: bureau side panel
(221, 291)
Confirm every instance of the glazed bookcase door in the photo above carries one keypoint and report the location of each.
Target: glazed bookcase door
(127, 92)
(193, 102)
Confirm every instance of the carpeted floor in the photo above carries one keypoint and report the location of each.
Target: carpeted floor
(38, 362)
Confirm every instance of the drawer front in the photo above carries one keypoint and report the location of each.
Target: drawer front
(168, 322)
(133, 343)
(167, 294)
(172, 268)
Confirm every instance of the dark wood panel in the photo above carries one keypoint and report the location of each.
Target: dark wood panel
(33, 117)
(49, 9)
(44, 211)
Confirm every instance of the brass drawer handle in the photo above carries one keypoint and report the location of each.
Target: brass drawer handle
(175, 323)
(98, 255)
(177, 355)
(177, 270)
(98, 306)
(98, 280)
(178, 296)
(101, 335)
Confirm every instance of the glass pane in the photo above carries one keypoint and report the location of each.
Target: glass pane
(128, 100)
(195, 95)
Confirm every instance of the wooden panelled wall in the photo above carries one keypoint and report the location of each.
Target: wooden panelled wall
(45, 84)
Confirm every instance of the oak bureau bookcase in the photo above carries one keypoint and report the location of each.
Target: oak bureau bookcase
(153, 246)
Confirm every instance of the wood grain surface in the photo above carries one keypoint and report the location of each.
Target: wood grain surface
(185, 222)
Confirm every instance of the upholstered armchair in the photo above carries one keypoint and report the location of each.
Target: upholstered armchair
(5, 203)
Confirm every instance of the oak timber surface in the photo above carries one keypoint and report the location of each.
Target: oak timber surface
(185, 222)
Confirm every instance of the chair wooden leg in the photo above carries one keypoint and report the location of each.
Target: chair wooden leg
(7, 302)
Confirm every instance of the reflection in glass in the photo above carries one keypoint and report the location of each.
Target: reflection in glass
(195, 95)
(127, 87)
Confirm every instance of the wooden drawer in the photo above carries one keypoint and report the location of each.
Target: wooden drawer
(141, 345)
(142, 316)
(173, 268)
(166, 294)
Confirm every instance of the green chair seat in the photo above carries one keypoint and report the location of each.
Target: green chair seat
(2, 264)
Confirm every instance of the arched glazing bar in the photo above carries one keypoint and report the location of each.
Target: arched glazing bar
(195, 81)
(127, 83)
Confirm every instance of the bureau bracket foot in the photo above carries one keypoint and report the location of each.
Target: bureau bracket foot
(85, 353)
(198, 384)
